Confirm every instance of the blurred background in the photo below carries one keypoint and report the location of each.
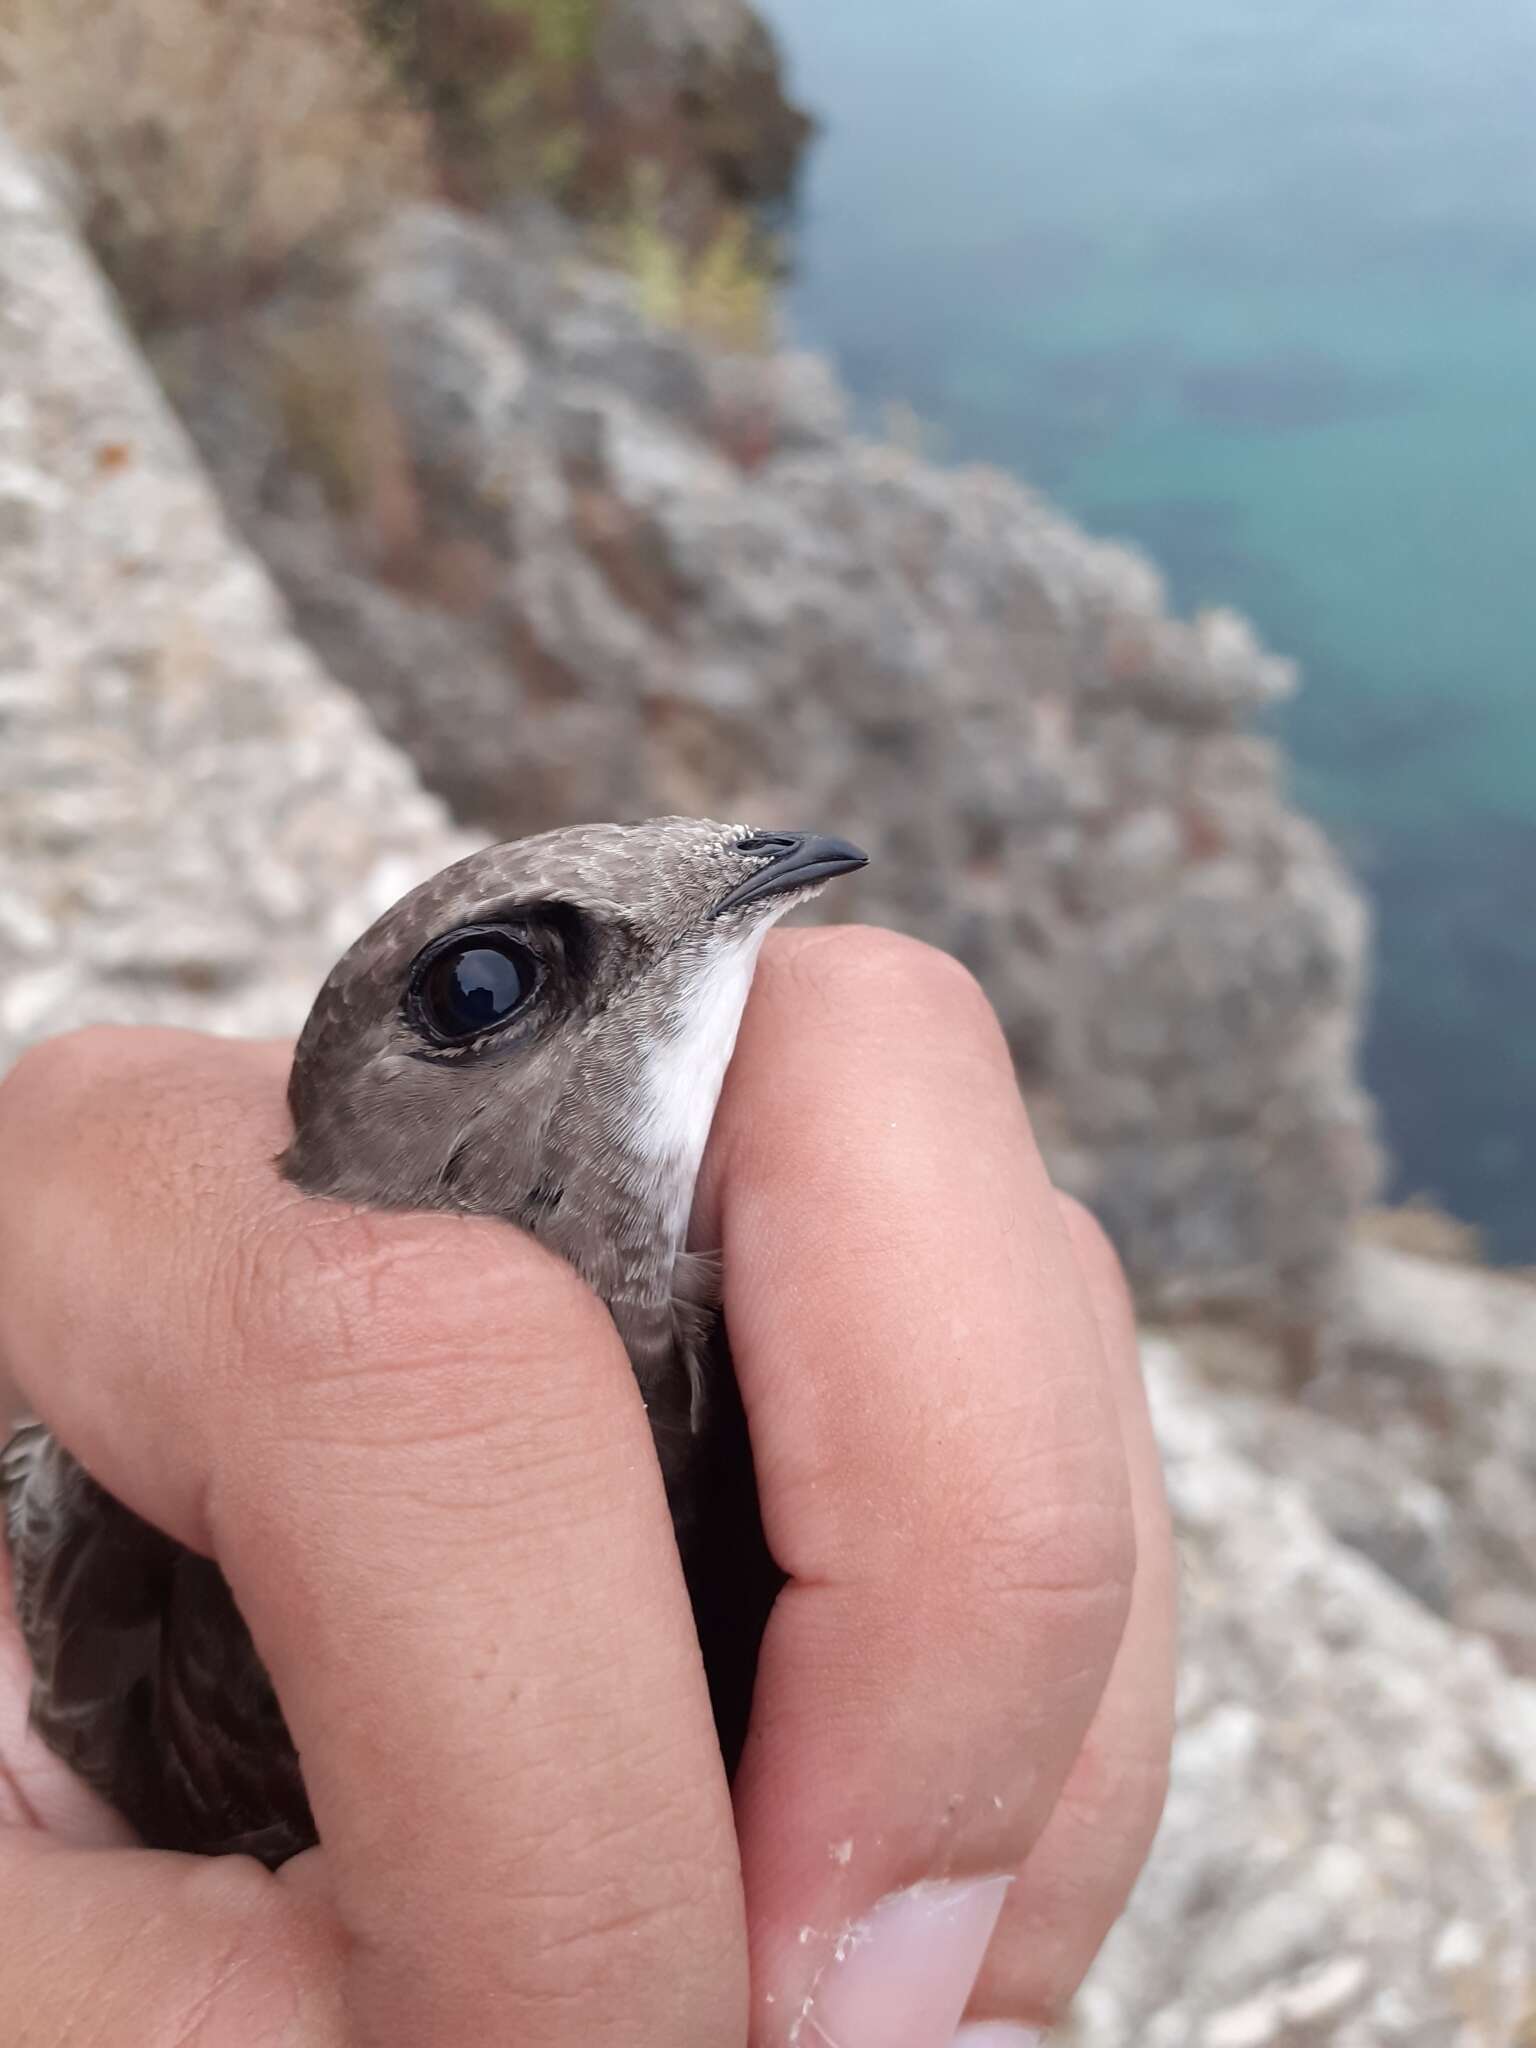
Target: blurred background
(1082, 453)
(1255, 287)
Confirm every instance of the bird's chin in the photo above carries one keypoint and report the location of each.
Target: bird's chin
(757, 916)
(787, 900)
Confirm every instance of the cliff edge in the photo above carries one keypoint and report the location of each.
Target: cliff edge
(579, 565)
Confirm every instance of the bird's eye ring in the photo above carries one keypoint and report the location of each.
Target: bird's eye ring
(469, 983)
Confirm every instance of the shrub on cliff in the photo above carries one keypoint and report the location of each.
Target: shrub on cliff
(212, 145)
(506, 86)
(218, 147)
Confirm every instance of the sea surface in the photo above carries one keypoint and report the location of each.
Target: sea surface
(1253, 285)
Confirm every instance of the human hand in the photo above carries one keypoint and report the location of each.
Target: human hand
(415, 1447)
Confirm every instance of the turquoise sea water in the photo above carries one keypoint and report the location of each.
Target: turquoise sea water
(1255, 286)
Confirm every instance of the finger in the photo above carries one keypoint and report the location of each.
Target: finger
(1080, 1873)
(942, 1478)
(161, 1951)
(137, 1189)
(417, 1450)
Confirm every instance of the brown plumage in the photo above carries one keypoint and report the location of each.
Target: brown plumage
(538, 1033)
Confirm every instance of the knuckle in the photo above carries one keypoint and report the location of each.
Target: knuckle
(341, 1293)
(1063, 1569)
(1081, 1549)
(328, 1287)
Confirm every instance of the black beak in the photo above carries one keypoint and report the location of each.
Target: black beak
(799, 858)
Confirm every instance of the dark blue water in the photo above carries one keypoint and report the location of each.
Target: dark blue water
(1255, 286)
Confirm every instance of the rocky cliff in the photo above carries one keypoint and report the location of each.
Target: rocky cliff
(1348, 1856)
(193, 815)
(578, 566)
(575, 565)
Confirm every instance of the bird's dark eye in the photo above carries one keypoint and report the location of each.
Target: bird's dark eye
(470, 983)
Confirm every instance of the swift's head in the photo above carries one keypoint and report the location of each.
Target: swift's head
(541, 1030)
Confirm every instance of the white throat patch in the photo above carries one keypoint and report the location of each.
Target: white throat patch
(681, 1082)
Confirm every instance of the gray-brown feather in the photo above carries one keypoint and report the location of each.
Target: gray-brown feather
(146, 1680)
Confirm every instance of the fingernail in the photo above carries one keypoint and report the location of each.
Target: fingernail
(900, 1977)
(998, 2034)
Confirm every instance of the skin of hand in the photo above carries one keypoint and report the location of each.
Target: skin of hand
(416, 1449)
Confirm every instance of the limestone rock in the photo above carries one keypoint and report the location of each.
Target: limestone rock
(1414, 1435)
(193, 818)
(1349, 1851)
(637, 576)
(1434, 1366)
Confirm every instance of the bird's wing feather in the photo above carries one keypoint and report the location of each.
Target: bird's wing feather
(732, 1577)
(90, 1581)
(145, 1677)
(698, 1281)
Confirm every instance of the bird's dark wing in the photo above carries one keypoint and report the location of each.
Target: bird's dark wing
(230, 1782)
(732, 1577)
(145, 1677)
(91, 1583)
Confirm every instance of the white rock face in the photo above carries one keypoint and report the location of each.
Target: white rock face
(194, 819)
(1349, 1851)
(1414, 1438)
